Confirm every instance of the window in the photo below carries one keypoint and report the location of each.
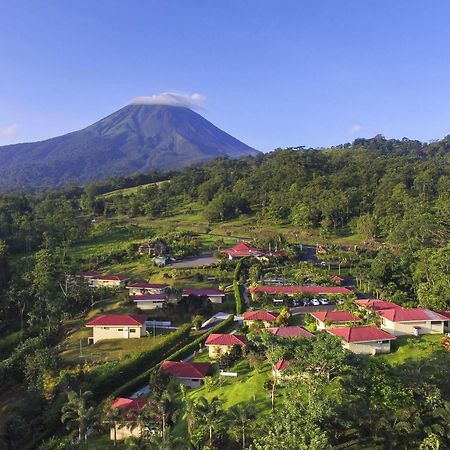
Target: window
(383, 342)
(436, 322)
(106, 328)
(119, 329)
(132, 330)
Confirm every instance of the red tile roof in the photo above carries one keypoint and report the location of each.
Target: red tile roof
(376, 305)
(185, 369)
(335, 316)
(111, 278)
(293, 331)
(361, 334)
(336, 278)
(226, 339)
(128, 405)
(266, 316)
(117, 319)
(148, 297)
(301, 290)
(282, 364)
(147, 286)
(203, 292)
(411, 315)
(446, 314)
(242, 249)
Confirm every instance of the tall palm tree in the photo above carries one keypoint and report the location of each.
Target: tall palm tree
(166, 406)
(188, 413)
(167, 442)
(78, 415)
(210, 414)
(113, 418)
(240, 416)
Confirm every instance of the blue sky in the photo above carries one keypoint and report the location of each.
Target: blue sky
(273, 73)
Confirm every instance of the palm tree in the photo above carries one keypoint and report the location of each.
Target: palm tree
(167, 442)
(210, 414)
(144, 421)
(113, 418)
(166, 406)
(77, 414)
(188, 412)
(240, 416)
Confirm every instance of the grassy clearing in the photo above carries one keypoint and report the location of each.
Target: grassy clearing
(411, 348)
(132, 190)
(246, 387)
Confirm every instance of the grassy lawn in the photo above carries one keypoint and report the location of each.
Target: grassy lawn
(413, 348)
(246, 387)
(102, 442)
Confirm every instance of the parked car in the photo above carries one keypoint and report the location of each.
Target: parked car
(315, 302)
(324, 301)
(323, 264)
(296, 303)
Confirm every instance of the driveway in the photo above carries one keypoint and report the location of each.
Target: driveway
(309, 309)
(206, 259)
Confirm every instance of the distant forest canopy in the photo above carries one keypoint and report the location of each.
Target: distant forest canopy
(394, 192)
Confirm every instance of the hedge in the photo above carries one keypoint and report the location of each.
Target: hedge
(107, 378)
(183, 352)
(237, 288)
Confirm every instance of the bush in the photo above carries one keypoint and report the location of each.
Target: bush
(237, 288)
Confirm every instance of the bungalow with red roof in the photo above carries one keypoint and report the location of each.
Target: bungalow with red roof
(190, 374)
(337, 279)
(212, 295)
(128, 408)
(150, 301)
(325, 319)
(364, 340)
(268, 318)
(147, 288)
(415, 321)
(87, 276)
(109, 281)
(294, 331)
(116, 326)
(376, 305)
(281, 365)
(220, 344)
(299, 290)
(242, 250)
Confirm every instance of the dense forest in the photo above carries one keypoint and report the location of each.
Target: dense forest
(392, 195)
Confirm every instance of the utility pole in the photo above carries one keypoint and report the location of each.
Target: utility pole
(81, 348)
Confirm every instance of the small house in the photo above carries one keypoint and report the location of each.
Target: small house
(325, 319)
(147, 288)
(211, 295)
(150, 301)
(299, 290)
(268, 318)
(129, 408)
(220, 344)
(117, 326)
(191, 374)
(290, 332)
(364, 340)
(88, 276)
(376, 305)
(414, 321)
(109, 281)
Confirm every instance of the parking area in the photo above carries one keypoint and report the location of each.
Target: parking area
(191, 262)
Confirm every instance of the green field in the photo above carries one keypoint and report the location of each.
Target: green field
(410, 348)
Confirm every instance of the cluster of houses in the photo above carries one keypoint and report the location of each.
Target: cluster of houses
(362, 339)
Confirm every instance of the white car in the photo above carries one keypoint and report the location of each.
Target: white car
(315, 302)
(324, 301)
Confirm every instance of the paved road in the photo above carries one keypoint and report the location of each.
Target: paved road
(206, 259)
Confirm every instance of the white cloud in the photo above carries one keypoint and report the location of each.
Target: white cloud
(355, 128)
(193, 101)
(9, 131)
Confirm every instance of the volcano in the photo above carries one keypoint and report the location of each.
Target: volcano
(138, 138)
